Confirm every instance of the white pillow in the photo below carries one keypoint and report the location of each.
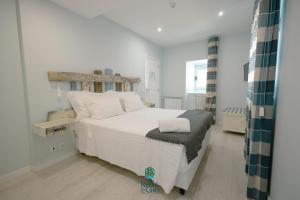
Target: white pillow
(101, 107)
(77, 100)
(132, 103)
(121, 96)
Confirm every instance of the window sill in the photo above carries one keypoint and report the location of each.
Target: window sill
(195, 93)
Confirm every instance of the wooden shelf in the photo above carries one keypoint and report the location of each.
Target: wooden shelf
(82, 77)
(54, 127)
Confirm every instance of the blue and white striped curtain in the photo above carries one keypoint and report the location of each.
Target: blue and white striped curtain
(212, 67)
(260, 98)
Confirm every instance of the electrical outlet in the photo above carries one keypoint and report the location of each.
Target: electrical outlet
(61, 145)
(53, 148)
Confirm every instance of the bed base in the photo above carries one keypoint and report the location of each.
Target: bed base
(184, 179)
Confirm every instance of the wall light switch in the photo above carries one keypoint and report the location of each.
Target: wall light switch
(261, 111)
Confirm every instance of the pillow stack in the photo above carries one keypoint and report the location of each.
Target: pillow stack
(130, 101)
(104, 105)
(101, 107)
(77, 100)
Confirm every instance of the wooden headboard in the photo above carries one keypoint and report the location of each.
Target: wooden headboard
(86, 81)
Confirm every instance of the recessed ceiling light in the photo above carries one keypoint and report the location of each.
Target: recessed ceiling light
(159, 29)
(221, 13)
(172, 4)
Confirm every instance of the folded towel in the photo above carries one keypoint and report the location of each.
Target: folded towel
(175, 125)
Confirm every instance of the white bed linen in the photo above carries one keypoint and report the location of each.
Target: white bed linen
(121, 140)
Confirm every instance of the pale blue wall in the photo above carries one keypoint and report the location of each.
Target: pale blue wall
(233, 54)
(14, 148)
(56, 39)
(53, 39)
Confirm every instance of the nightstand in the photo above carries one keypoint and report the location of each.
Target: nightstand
(59, 126)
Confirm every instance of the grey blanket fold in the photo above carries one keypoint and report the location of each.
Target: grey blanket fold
(200, 122)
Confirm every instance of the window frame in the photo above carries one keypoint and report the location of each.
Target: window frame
(196, 65)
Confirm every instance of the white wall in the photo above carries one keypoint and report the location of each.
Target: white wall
(233, 54)
(286, 156)
(173, 68)
(231, 87)
(56, 39)
(14, 148)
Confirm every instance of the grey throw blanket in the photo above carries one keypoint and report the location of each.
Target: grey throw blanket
(200, 122)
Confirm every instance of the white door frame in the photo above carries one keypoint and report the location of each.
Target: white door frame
(159, 85)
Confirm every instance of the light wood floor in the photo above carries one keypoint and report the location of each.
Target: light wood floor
(219, 177)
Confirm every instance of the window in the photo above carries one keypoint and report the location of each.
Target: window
(196, 73)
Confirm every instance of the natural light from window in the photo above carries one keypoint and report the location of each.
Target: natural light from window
(196, 73)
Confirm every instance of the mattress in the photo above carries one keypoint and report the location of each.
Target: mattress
(121, 140)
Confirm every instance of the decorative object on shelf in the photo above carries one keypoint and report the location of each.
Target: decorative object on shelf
(118, 85)
(59, 126)
(98, 85)
(108, 85)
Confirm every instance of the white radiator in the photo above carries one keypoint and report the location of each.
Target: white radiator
(173, 103)
(200, 101)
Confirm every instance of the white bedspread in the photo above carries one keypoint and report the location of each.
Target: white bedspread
(121, 141)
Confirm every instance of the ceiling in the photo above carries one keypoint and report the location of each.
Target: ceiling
(189, 21)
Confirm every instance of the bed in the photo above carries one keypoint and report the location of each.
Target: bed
(121, 140)
(114, 126)
(118, 133)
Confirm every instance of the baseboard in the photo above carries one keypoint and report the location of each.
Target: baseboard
(41, 166)
(15, 174)
(24, 170)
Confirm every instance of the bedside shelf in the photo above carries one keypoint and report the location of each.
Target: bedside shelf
(54, 127)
